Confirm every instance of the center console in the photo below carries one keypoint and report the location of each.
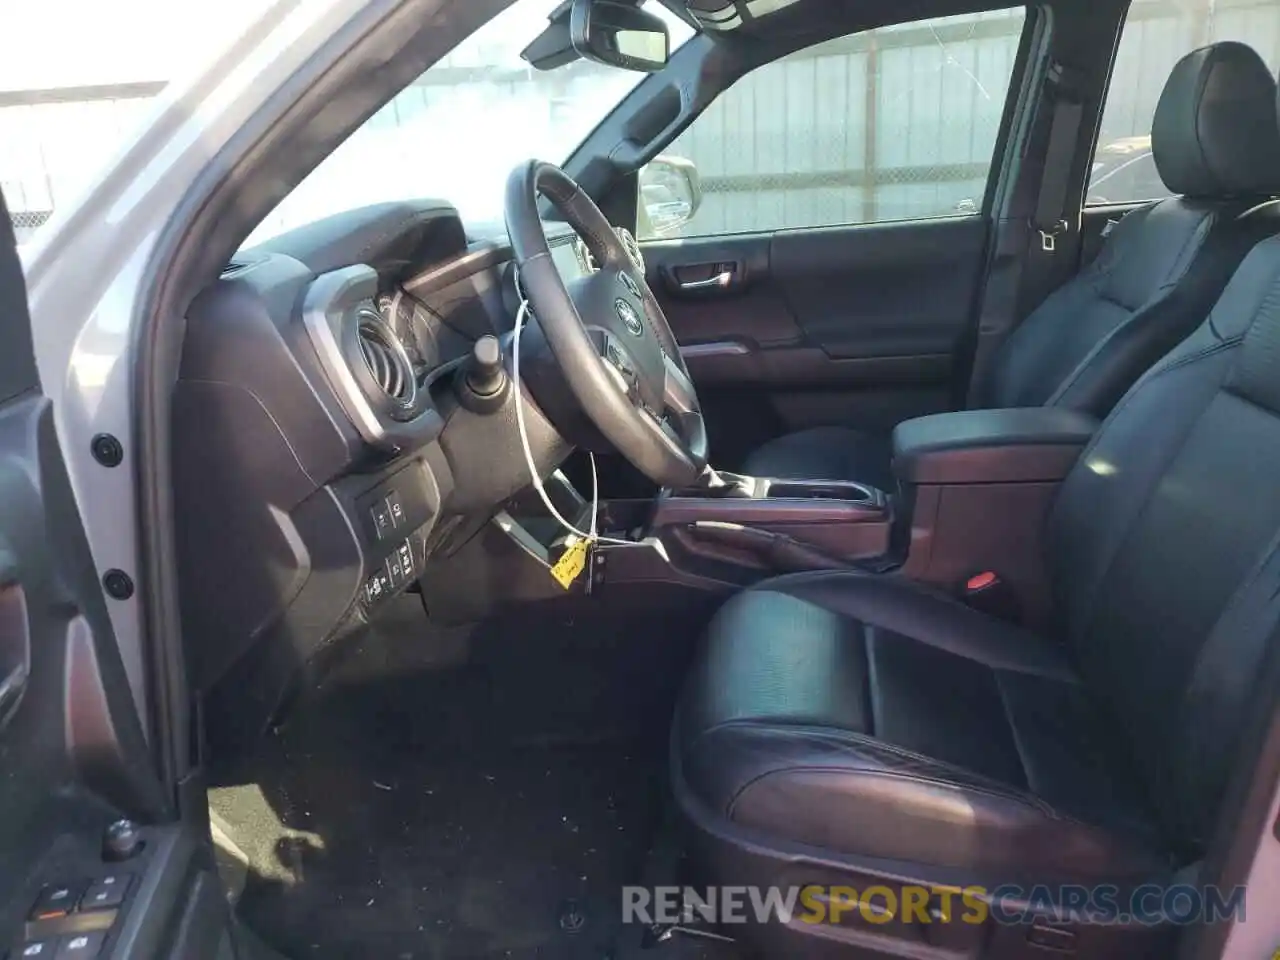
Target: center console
(973, 491)
(824, 522)
(977, 488)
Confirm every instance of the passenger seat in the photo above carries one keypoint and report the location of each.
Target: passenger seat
(1216, 142)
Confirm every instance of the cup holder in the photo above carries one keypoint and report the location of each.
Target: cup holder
(820, 490)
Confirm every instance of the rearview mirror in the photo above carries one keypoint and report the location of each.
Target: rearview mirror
(670, 194)
(619, 34)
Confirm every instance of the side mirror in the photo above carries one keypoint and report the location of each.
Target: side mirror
(619, 34)
(670, 194)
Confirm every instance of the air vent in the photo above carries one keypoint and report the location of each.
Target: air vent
(385, 359)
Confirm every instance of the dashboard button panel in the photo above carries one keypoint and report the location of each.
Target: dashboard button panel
(399, 576)
(382, 523)
(396, 572)
(400, 509)
(398, 519)
(378, 587)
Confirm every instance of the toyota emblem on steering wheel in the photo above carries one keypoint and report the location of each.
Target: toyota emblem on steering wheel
(630, 319)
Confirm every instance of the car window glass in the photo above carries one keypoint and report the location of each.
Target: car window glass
(1156, 35)
(79, 80)
(459, 129)
(898, 123)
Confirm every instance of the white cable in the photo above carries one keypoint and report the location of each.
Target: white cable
(593, 536)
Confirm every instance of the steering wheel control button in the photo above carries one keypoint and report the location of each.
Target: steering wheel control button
(80, 946)
(629, 282)
(382, 525)
(56, 901)
(43, 949)
(105, 892)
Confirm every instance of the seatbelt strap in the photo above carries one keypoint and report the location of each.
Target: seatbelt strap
(1054, 246)
(1015, 289)
(1050, 218)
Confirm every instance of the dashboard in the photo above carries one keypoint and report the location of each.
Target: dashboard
(322, 459)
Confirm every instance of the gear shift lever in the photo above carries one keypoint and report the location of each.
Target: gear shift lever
(717, 483)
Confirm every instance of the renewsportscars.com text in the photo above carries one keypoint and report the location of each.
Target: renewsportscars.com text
(1151, 904)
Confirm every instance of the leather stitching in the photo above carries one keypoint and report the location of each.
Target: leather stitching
(1029, 802)
(945, 775)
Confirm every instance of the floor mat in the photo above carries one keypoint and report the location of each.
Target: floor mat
(492, 807)
(484, 856)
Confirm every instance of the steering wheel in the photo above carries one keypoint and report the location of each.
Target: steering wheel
(607, 332)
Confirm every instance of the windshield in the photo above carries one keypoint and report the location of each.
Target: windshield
(459, 129)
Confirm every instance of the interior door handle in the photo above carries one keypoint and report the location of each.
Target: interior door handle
(720, 281)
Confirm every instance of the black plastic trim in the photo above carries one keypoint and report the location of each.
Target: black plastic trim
(332, 314)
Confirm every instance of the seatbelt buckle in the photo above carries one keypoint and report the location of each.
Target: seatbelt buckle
(1049, 238)
(987, 593)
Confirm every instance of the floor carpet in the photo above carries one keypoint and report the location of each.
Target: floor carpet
(470, 794)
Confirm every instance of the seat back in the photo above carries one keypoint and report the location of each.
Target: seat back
(1216, 140)
(1165, 548)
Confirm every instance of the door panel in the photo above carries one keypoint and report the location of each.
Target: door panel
(74, 759)
(857, 325)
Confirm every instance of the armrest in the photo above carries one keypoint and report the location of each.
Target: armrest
(1019, 445)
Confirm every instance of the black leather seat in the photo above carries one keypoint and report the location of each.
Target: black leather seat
(870, 726)
(1216, 141)
(867, 717)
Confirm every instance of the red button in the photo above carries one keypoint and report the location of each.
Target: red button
(980, 581)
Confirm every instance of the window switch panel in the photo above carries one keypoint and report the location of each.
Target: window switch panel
(105, 893)
(56, 900)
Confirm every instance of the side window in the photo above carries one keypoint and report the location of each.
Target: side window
(898, 123)
(1156, 35)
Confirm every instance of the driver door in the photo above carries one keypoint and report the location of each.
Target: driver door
(76, 881)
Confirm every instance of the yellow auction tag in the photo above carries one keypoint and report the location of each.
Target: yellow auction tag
(571, 564)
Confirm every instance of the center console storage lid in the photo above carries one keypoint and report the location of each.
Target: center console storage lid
(1019, 445)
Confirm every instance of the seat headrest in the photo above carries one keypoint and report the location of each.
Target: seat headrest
(1216, 133)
